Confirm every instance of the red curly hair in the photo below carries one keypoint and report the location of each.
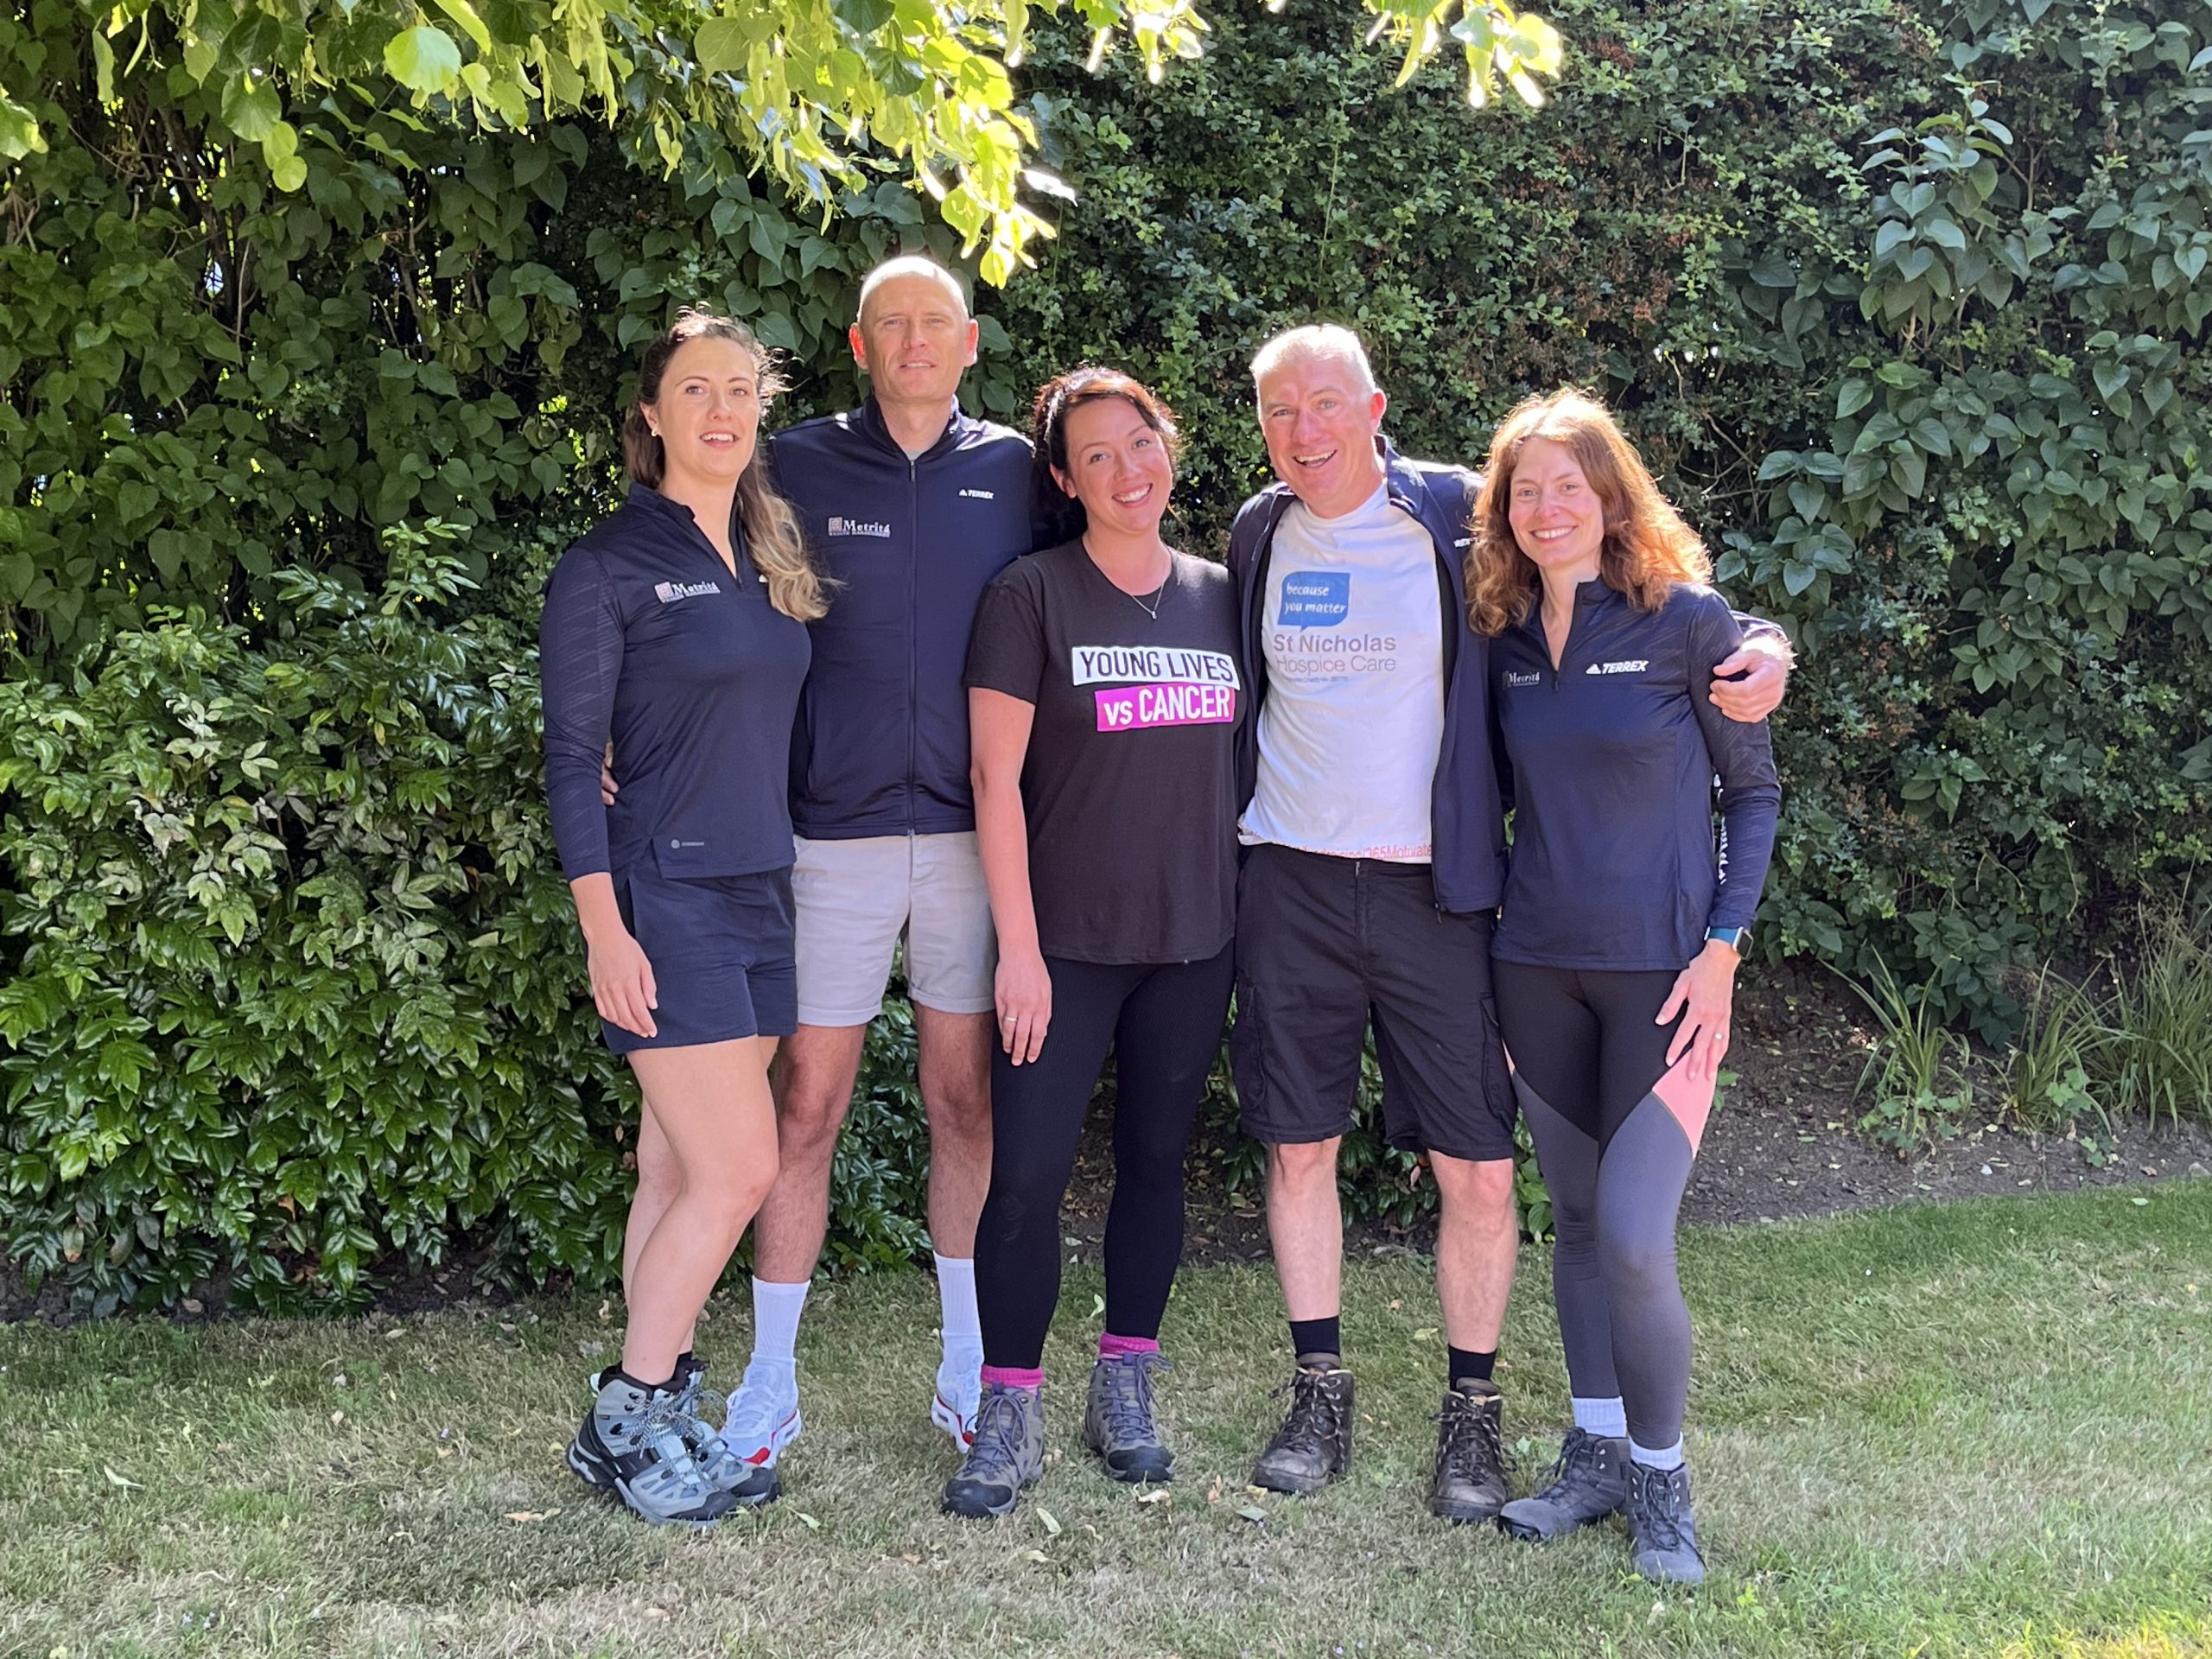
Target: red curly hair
(1646, 549)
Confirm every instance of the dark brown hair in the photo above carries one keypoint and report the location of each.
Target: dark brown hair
(1647, 550)
(772, 539)
(1048, 429)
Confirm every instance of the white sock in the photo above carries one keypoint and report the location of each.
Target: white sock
(775, 1321)
(956, 1290)
(1607, 1418)
(1667, 1457)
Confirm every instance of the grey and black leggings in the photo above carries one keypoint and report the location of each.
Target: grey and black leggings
(1615, 1137)
(1163, 1023)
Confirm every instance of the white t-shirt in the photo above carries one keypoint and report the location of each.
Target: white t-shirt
(1353, 638)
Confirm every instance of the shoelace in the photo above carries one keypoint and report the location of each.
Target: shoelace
(1128, 1399)
(998, 1436)
(660, 1430)
(754, 1413)
(1467, 1430)
(1309, 1424)
(1577, 1453)
(1660, 1502)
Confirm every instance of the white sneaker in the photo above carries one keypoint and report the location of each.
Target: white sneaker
(959, 1392)
(763, 1417)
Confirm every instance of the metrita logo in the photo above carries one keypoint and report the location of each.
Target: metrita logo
(841, 526)
(1511, 678)
(1636, 667)
(670, 592)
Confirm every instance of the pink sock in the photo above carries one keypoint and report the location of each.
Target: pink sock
(1014, 1377)
(1113, 1347)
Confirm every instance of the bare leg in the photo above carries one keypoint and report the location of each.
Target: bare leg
(814, 1091)
(658, 1182)
(1477, 1236)
(955, 1081)
(713, 1105)
(1306, 1228)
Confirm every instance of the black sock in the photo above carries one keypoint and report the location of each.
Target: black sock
(1468, 1367)
(650, 1388)
(1317, 1336)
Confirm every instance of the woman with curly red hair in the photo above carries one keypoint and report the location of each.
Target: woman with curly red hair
(1615, 957)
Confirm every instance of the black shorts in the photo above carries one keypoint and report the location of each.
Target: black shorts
(720, 951)
(1324, 943)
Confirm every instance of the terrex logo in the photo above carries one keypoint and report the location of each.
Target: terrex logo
(1636, 667)
(980, 495)
(840, 526)
(670, 592)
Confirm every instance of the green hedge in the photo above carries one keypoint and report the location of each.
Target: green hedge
(1908, 307)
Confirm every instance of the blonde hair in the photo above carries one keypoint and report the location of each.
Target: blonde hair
(1646, 549)
(772, 538)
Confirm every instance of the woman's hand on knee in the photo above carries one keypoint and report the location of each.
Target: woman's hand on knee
(622, 983)
(1703, 993)
(1024, 994)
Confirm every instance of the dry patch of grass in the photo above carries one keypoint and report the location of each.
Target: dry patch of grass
(1981, 1430)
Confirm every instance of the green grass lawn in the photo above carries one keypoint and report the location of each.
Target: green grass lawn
(1984, 1429)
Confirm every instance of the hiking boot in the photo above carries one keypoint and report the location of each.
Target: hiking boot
(1313, 1445)
(1662, 1532)
(1006, 1454)
(750, 1486)
(959, 1387)
(632, 1444)
(1588, 1483)
(1468, 1483)
(1117, 1422)
(761, 1420)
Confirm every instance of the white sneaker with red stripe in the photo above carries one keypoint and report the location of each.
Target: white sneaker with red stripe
(763, 1417)
(959, 1391)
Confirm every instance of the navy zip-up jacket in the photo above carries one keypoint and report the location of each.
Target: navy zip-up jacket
(1613, 754)
(880, 747)
(1467, 814)
(647, 638)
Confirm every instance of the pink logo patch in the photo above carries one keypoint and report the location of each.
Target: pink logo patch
(1132, 707)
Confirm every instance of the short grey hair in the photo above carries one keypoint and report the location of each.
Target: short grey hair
(912, 264)
(1314, 339)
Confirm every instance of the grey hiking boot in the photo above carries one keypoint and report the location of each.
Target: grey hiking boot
(1662, 1532)
(728, 1471)
(632, 1444)
(1006, 1454)
(1468, 1482)
(1313, 1445)
(1588, 1483)
(1117, 1422)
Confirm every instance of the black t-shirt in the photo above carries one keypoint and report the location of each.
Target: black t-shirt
(1130, 782)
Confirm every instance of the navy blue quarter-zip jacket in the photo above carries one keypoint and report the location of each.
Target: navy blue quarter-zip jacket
(649, 639)
(1466, 815)
(1614, 751)
(880, 747)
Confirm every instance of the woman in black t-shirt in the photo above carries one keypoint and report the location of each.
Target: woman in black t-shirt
(1104, 694)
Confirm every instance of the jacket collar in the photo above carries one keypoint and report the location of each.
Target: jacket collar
(869, 419)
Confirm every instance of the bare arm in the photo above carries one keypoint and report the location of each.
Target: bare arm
(621, 978)
(998, 742)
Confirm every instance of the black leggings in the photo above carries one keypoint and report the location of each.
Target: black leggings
(1590, 1068)
(1164, 1024)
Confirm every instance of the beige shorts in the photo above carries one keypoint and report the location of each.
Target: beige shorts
(856, 899)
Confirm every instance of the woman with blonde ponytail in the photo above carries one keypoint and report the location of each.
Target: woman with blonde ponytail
(675, 629)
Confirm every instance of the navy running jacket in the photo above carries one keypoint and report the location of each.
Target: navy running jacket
(1466, 815)
(649, 639)
(881, 744)
(1614, 753)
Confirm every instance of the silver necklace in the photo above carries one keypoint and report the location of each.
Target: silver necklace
(1159, 594)
(1152, 610)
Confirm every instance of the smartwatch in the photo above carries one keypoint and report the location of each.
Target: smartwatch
(1734, 937)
